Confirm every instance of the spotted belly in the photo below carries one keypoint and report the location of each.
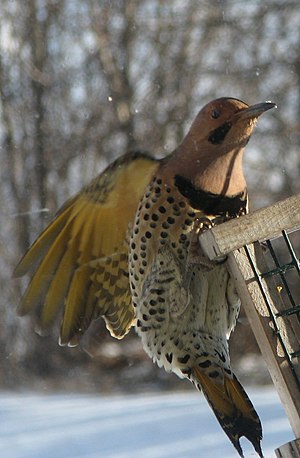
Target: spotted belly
(180, 328)
(181, 309)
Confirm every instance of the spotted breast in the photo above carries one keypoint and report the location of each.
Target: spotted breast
(184, 309)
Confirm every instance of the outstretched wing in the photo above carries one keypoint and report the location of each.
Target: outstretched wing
(80, 261)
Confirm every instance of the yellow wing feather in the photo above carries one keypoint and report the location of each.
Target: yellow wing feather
(80, 261)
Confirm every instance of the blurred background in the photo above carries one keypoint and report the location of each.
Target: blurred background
(82, 82)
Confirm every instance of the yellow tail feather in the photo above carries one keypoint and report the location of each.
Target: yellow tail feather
(233, 409)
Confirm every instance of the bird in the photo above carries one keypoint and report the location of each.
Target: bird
(125, 248)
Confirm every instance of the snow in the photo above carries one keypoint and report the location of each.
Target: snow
(177, 425)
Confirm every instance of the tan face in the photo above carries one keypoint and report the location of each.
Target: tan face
(222, 121)
(211, 154)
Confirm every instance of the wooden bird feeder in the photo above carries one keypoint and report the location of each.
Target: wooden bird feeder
(263, 250)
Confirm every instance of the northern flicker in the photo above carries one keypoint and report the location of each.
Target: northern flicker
(125, 248)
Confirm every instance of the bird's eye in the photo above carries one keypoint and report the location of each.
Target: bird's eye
(215, 114)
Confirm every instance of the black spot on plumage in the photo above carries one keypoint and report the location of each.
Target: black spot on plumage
(169, 357)
(184, 359)
(186, 371)
(159, 319)
(221, 356)
(162, 209)
(205, 364)
(155, 217)
(213, 374)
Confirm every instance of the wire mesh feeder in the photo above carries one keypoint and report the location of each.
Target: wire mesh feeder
(263, 250)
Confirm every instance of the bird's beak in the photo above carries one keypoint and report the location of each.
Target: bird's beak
(255, 110)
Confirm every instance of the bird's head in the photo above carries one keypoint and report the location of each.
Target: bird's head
(210, 155)
(226, 123)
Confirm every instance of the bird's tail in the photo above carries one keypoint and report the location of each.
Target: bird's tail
(233, 409)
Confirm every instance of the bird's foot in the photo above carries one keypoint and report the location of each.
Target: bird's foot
(196, 255)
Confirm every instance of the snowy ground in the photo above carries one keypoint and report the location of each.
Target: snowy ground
(177, 425)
